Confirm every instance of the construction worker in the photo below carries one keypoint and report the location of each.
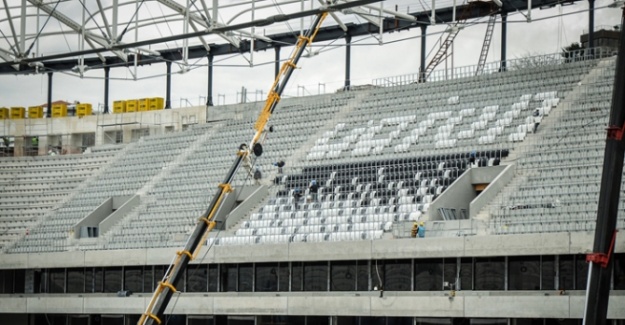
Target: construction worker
(280, 165)
(247, 159)
(421, 230)
(258, 175)
(414, 230)
(312, 190)
(297, 195)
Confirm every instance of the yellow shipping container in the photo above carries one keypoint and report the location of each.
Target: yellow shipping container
(59, 110)
(119, 106)
(18, 113)
(144, 104)
(83, 109)
(156, 103)
(35, 112)
(132, 105)
(4, 113)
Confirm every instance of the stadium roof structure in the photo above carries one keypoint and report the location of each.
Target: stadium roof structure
(59, 35)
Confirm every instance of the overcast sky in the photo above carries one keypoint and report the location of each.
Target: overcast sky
(400, 54)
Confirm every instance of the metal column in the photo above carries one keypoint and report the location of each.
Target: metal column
(209, 95)
(600, 267)
(277, 62)
(504, 39)
(168, 95)
(422, 67)
(49, 112)
(348, 54)
(106, 89)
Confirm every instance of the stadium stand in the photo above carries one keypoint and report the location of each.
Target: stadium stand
(33, 187)
(360, 146)
(558, 184)
(385, 158)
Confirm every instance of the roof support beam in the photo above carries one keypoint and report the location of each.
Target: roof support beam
(207, 14)
(391, 12)
(328, 33)
(89, 36)
(196, 29)
(365, 15)
(17, 50)
(336, 18)
(214, 17)
(22, 46)
(115, 17)
(7, 56)
(185, 12)
(106, 22)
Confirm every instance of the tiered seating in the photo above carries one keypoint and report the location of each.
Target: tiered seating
(31, 186)
(138, 165)
(380, 156)
(446, 119)
(178, 200)
(355, 200)
(296, 123)
(561, 189)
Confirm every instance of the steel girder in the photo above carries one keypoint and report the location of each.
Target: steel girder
(443, 15)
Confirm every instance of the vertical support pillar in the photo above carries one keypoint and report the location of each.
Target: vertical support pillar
(49, 112)
(209, 95)
(591, 25)
(168, 95)
(504, 40)
(277, 67)
(106, 89)
(348, 52)
(43, 145)
(18, 146)
(422, 66)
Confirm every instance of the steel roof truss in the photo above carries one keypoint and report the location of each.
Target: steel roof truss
(106, 22)
(8, 57)
(78, 28)
(16, 47)
(364, 15)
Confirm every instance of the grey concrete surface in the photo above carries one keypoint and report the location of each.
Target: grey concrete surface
(478, 304)
(492, 245)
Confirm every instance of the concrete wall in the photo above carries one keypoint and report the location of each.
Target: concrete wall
(504, 175)
(461, 194)
(229, 201)
(495, 245)
(67, 131)
(94, 218)
(482, 304)
(485, 175)
(252, 196)
(123, 205)
(500, 304)
(457, 196)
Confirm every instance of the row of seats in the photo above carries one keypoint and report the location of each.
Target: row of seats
(559, 191)
(379, 182)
